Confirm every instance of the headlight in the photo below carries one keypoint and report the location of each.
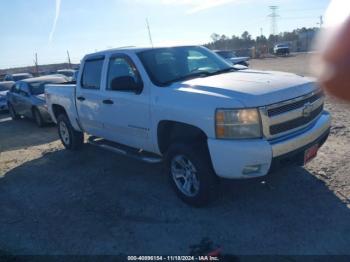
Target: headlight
(237, 124)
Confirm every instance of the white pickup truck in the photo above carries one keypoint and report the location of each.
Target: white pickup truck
(187, 107)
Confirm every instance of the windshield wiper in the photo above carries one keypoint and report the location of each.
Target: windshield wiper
(187, 77)
(200, 74)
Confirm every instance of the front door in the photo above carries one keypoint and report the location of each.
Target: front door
(23, 105)
(25, 100)
(126, 107)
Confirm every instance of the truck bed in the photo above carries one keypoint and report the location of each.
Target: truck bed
(62, 95)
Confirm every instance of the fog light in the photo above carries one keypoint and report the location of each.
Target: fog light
(251, 169)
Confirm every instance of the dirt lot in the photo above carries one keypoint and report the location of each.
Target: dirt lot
(53, 201)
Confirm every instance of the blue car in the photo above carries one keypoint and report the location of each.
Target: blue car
(4, 88)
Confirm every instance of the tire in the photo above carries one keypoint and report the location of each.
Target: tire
(38, 118)
(70, 138)
(199, 173)
(13, 113)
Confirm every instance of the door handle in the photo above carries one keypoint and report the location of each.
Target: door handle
(108, 102)
(80, 98)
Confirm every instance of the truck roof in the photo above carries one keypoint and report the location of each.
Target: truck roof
(130, 49)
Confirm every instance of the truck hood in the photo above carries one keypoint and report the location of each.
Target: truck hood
(253, 88)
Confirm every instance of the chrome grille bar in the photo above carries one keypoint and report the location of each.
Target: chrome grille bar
(291, 115)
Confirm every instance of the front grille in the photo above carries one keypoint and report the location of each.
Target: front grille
(297, 122)
(293, 106)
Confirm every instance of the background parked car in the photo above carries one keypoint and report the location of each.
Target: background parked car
(4, 88)
(69, 73)
(17, 77)
(281, 49)
(230, 56)
(26, 98)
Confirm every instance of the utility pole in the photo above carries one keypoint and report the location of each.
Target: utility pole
(321, 21)
(70, 64)
(36, 64)
(149, 33)
(261, 31)
(273, 16)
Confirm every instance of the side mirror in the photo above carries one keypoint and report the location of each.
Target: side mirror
(124, 83)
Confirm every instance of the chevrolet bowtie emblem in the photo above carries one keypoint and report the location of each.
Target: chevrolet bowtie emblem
(307, 110)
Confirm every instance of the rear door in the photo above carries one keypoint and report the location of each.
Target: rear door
(89, 96)
(126, 108)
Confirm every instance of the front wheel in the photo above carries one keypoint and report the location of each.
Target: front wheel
(70, 138)
(38, 118)
(191, 174)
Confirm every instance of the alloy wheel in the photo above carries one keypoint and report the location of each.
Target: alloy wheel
(185, 176)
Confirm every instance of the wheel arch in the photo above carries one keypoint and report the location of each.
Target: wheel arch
(169, 131)
(58, 110)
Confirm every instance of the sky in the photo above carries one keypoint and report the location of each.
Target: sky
(51, 27)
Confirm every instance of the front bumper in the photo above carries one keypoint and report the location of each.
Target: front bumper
(232, 158)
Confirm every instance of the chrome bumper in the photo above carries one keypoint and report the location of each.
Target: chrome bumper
(284, 145)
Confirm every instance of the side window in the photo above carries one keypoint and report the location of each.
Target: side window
(91, 78)
(15, 88)
(122, 74)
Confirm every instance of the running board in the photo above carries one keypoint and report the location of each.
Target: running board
(125, 150)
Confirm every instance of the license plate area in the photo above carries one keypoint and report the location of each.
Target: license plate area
(310, 153)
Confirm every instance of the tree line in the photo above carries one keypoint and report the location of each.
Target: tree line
(298, 39)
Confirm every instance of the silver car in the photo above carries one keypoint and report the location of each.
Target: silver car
(17, 77)
(26, 98)
(69, 73)
(230, 56)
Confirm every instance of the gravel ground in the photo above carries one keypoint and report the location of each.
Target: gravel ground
(53, 201)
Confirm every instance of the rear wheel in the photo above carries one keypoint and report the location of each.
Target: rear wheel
(38, 118)
(191, 173)
(70, 138)
(13, 113)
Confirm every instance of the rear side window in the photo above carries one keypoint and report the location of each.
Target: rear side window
(91, 78)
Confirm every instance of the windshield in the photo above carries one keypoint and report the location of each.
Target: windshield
(168, 65)
(226, 54)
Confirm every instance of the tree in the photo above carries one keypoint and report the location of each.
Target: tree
(246, 36)
(298, 38)
(215, 37)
